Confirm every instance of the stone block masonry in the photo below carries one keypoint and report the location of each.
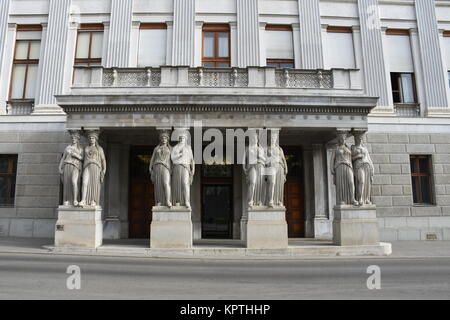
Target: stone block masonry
(37, 194)
(401, 219)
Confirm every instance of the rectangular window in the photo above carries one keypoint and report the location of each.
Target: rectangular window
(26, 62)
(421, 173)
(447, 48)
(447, 52)
(152, 45)
(216, 46)
(399, 52)
(448, 77)
(89, 49)
(339, 49)
(279, 46)
(8, 171)
(403, 88)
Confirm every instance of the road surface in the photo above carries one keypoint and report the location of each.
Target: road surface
(43, 276)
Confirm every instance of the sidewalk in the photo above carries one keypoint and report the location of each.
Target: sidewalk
(228, 249)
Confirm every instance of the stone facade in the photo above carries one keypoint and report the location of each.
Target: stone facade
(399, 218)
(38, 182)
(309, 103)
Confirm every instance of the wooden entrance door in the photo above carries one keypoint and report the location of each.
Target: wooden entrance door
(141, 194)
(294, 193)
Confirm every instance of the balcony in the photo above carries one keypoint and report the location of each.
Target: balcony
(252, 77)
(219, 97)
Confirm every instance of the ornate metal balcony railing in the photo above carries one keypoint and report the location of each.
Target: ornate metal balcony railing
(218, 78)
(251, 77)
(131, 77)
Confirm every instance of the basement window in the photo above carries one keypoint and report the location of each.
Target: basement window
(421, 174)
(8, 174)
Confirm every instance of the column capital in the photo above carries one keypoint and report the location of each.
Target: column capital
(358, 131)
(341, 130)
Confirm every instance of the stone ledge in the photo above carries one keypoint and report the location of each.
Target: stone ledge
(292, 252)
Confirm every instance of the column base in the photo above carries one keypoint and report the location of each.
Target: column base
(79, 227)
(48, 109)
(171, 228)
(355, 226)
(112, 228)
(383, 111)
(323, 229)
(438, 112)
(266, 228)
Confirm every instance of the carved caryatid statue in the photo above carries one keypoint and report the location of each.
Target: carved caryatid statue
(277, 171)
(94, 170)
(70, 170)
(342, 170)
(161, 170)
(364, 170)
(183, 172)
(254, 169)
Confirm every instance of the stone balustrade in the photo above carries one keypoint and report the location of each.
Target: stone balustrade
(19, 107)
(251, 77)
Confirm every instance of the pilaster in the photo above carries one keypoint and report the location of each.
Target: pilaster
(322, 226)
(435, 80)
(119, 40)
(375, 71)
(183, 43)
(248, 40)
(310, 34)
(53, 58)
(4, 13)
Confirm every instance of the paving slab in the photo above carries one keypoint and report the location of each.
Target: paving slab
(234, 249)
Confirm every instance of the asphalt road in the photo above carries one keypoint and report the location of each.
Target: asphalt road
(41, 276)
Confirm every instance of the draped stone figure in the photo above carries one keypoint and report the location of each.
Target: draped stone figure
(364, 171)
(342, 170)
(254, 170)
(161, 171)
(277, 172)
(70, 170)
(183, 172)
(94, 170)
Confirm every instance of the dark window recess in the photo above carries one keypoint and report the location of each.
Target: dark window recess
(281, 63)
(404, 88)
(421, 174)
(8, 174)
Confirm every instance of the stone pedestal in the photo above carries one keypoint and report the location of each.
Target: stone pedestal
(79, 227)
(171, 228)
(355, 226)
(265, 228)
(111, 228)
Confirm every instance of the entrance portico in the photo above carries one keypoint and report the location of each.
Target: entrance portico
(129, 118)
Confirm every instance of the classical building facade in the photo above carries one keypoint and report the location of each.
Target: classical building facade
(312, 69)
